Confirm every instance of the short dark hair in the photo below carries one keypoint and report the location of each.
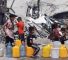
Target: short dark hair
(31, 28)
(12, 15)
(19, 18)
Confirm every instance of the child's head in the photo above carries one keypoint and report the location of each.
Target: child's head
(55, 25)
(19, 19)
(31, 29)
(12, 17)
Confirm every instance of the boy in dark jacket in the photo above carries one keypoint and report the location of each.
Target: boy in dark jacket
(30, 41)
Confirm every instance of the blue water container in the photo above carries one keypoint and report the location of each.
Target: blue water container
(22, 50)
(9, 50)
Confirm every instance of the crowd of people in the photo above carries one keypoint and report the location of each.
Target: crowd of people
(9, 34)
(57, 33)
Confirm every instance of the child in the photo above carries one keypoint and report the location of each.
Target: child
(8, 28)
(30, 41)
(20, 25)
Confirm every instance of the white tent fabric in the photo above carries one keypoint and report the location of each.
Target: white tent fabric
(40, 20)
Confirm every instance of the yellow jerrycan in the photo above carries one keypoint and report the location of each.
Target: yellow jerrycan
(18, 42)
(63, 51)
(46, 50)
(29, 51)
(16, 52)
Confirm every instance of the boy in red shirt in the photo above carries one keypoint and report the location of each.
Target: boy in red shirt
(20, 25)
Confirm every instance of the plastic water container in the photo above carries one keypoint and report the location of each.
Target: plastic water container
(1, 52)
(18, 42)
(55, 53)
(56, 44)
(9, 50)
(22, 50)
(29, 51)
(16, 52)
(63, 51)
(46, 51)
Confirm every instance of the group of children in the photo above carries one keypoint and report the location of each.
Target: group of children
(9, 27)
